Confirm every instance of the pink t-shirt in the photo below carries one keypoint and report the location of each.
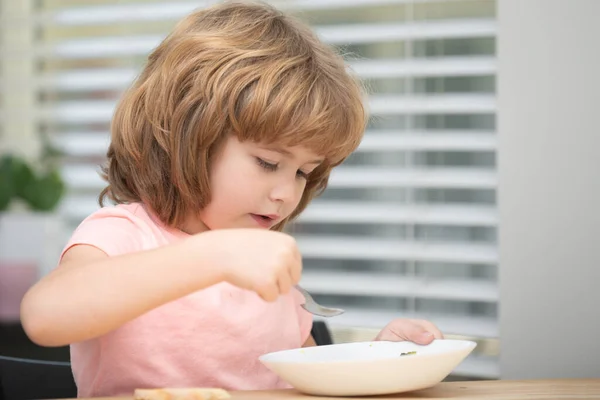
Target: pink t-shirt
(211, 338)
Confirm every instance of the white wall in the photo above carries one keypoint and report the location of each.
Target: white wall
(549, 188)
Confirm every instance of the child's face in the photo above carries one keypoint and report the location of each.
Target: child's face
(255, 186)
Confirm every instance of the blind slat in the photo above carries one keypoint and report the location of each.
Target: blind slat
(432, 104)
(339, 34)
(476, 325)
(393, 213)
(93, 143)
(425, 67)
(81, 80)
(383, 249)
(379, 177)
(78, 206)
(141, 12)
(408, 30)
(444, 140)
(392, 285)
(85, 176)
(101, 111)
(82, 143)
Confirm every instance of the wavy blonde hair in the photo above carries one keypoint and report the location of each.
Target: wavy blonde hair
(241, 68)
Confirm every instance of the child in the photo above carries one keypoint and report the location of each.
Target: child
(230, 131)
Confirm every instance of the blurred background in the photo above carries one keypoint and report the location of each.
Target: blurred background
(410, 224)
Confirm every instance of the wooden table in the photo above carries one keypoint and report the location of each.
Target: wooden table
(494, 390)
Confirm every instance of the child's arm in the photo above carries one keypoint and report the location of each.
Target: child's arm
(310, 342)
(91, 294)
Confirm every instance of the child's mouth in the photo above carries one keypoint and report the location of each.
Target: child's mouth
(263, 220)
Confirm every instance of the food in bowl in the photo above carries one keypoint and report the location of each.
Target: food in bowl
(408, 353)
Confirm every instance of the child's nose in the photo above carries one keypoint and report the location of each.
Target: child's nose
(285, 191)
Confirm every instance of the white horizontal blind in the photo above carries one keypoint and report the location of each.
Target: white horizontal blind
(407, 227)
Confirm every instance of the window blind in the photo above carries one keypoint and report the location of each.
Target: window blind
(407, 227)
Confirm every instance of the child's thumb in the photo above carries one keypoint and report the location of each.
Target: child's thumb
(423, 337)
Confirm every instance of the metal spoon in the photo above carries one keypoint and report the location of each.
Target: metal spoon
(315, 308)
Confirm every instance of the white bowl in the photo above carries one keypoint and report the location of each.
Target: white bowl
(367, 368)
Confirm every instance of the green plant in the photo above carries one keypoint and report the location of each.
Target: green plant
(19, 180)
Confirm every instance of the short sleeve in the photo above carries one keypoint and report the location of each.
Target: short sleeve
(111, 230)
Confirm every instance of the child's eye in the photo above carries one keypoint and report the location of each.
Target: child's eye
(273, 167)
(302, 174)
(266, 165)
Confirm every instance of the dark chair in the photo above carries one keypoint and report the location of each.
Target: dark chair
(22, 379)
(321, 333)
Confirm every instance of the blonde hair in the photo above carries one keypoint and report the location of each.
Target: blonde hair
(235, 68)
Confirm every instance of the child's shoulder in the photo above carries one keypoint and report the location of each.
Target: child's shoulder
(129, 210)
(123, 215)
(122, 228)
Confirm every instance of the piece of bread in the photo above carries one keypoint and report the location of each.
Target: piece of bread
(181, 394)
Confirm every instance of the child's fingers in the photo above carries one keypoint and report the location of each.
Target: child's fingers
(404, 329)
(285, 283)
(414, 332)
(268, 291)
(430, 327)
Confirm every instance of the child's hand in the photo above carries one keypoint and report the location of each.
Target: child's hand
(266, 262)
(414, 330)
